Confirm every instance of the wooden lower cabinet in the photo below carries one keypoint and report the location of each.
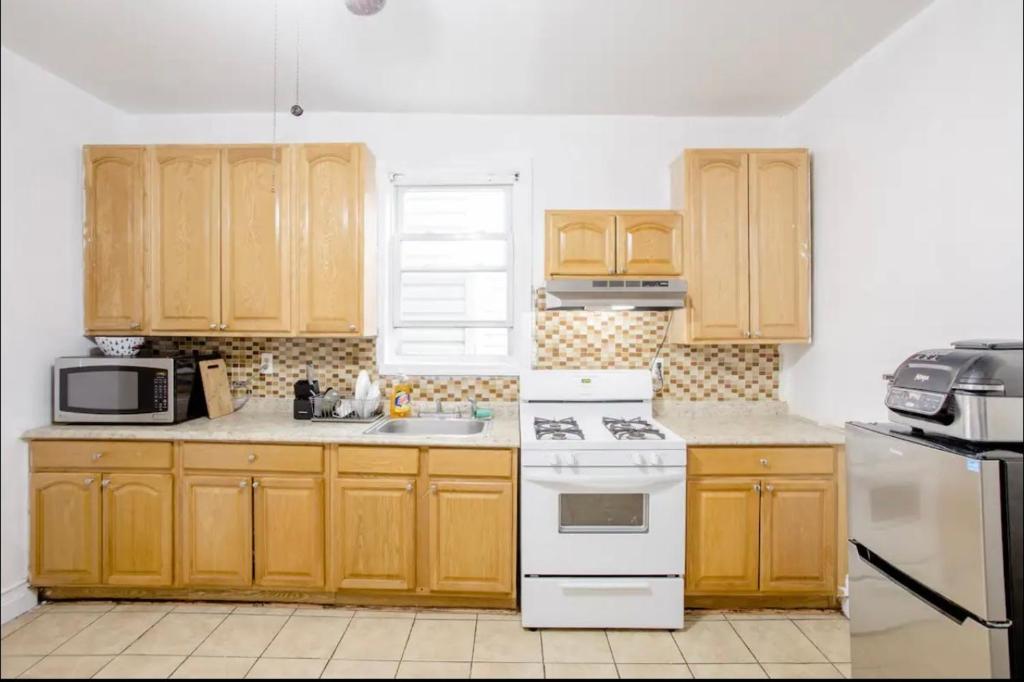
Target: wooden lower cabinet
(798, 535)
(216, 531)
(138, 529)
(65, 509)
(288, 531)
(723, 517)
(375, 533)
(471, 536)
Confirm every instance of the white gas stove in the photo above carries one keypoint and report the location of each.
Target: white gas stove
(603, 498)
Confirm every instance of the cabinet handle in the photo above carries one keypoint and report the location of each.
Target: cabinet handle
(251, 457)
(243, 483)
(88, 481)
(105, 482)
(764, 461)
(757, 487)
(408, 487)
(96, 456)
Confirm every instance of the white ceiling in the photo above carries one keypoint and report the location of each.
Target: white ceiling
(661, 57)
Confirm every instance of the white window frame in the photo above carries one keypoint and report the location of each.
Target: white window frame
(518, 176)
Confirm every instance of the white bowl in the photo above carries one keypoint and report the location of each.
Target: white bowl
(120, 346)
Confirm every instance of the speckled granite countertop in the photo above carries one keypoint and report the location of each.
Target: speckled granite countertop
(742, 423)
(270, 421)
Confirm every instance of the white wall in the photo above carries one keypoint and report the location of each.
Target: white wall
(45, 123)
(917, 204)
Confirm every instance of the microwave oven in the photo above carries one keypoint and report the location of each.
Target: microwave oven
(132, 390)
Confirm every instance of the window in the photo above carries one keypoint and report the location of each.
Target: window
(452, 283)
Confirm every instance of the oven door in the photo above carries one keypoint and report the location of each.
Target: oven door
(127, 391)
(602, 520)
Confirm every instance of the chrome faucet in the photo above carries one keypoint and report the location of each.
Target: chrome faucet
(472, 408)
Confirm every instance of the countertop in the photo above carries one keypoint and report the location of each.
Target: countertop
(743, 423)
(270, 421)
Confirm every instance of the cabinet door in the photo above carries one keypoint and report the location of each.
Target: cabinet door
(255, 262)
(780, 246)
(649, 243)
(65, 511)
(798, 536)
(580, 243)
(184, 220)
(717, 249)
(329, 221)
(375, 533)
(722, 535)
(138, 529)
(471, 536)
(288, 514)
(216, 531)
(114, 240)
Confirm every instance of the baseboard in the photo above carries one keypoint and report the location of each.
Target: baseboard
(16, 600)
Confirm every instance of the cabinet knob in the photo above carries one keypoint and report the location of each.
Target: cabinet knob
(255, 484)
(88, 481)
(757, 487)
(433, 488)
(213, 325)
(769, 487)
(408, 487)
(135, 325)
(351, 327)
(243, 483)
(96, 456)
(251, 457)
(757, 335)
(746, 334)
(105, 482)
(223, 326)
(764, 461)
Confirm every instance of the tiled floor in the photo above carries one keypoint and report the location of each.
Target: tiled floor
(104, 639)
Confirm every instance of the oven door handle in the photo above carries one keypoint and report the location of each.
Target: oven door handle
(636, 482)
(606, 586)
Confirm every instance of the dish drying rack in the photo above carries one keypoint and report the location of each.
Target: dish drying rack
(372, 408)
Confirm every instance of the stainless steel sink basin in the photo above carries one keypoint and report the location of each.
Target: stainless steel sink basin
(427, 426)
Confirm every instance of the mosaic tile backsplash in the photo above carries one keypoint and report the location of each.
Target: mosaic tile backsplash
(563, 340)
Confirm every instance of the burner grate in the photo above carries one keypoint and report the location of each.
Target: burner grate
(557, 429)
(636, 428)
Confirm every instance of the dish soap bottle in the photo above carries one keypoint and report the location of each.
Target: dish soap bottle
(401, 398)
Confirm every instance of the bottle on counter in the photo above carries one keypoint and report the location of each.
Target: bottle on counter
(401, 398)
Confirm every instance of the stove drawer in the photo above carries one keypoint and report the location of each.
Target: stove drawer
(760, 461)
(655, 603)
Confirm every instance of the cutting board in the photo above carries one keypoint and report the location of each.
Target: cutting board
(216, 388)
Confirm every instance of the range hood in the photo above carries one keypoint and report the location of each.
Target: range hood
(615, 294)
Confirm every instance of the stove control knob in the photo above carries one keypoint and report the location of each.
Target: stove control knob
(556, 460)
(638, 459)
(572, 459)
(656, 460)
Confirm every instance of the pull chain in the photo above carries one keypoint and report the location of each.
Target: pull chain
(297, 108)
(273, 134)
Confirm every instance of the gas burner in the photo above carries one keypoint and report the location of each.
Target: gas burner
(557, 429)
(636, 428)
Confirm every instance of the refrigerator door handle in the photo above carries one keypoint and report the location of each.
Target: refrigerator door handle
(947, 608)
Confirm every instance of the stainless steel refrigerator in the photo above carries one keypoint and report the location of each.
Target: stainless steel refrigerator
(935, 554)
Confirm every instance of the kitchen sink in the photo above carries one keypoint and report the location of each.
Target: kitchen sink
(428, 426)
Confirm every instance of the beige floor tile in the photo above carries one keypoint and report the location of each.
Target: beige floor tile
(67, 666)
(15, 624)
(154, 606)
(243, 636)
(205, 607)
(452, 614)
(632, 646)
(845, 669)
(75, 606)
(440, 640)
(510, 671)
(777, 641)
(177, 634)
(422, 670)
(111, 633)
(46, 633)
(712, 641)
(374, 639)
(384, 613)
(358, 670)
(576, 646)
(506, 641)
(317, 610)
(831, 636)
(220, 667)
(264, 609)
(734, 671)
(660, 671)
(580, 671)
(140, 667)
(307, 637)
(12, 666)
(790, 671)
(287, 668)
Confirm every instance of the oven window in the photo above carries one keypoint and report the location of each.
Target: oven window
(107, 391)
(602, 513)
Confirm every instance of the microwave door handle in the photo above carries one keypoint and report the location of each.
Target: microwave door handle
(642, 482)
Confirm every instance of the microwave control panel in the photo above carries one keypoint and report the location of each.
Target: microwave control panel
(160, 401)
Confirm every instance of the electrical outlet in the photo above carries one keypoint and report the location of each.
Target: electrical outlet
(658, 370)
(266, 363)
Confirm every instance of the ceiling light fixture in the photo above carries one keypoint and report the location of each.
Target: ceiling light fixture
(364, 8)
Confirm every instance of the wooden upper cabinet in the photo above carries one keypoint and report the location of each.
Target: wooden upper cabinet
(288, 520)
(216, 531)
(780, 243)
(374, 526)
(114, 240)
(580, 243)
(138, 529)
(798, 535)
(718, 274)
(471, 536)
(329, 223)
(722, 531)
(255, 238)
(65, 514)
(184, 223)
(649, 243)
